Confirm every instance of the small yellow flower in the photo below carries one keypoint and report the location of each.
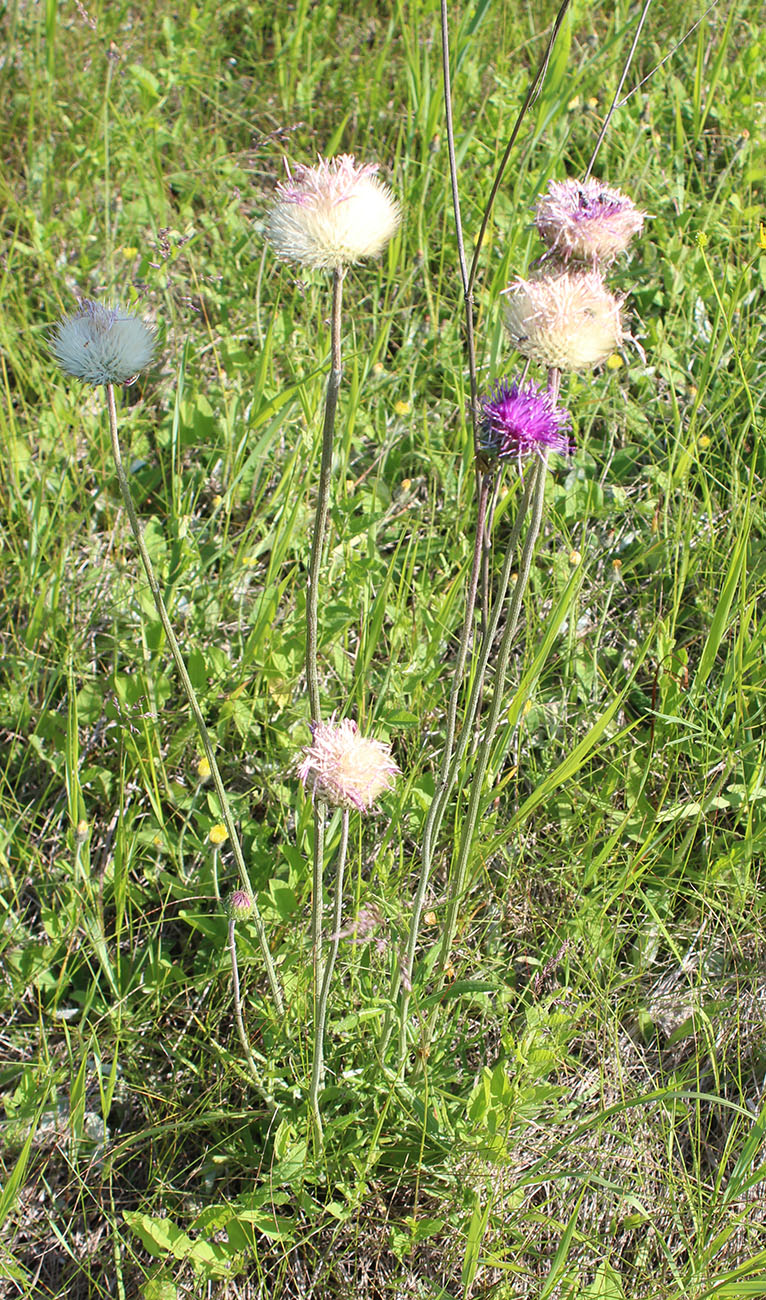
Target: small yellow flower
(203, 769)
(430, 918)
(762, 236)
(614, 361)
(702, 239)
(218, 834)
(704, 441)
(406, 484)
(402, 408)
(81, 831)
(574, 558)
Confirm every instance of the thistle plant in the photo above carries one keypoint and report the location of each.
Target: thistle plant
(107, 346)
(329, 217)
(348, 771)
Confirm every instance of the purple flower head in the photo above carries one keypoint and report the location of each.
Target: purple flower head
(587, 220)
(518, 422)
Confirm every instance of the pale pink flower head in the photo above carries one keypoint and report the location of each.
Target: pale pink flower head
(565, 321)
(587, 220)
(345, 768)
(333, 214)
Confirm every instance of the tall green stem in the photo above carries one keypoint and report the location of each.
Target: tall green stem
(207, 743)
(320, 1020)
(323, 499)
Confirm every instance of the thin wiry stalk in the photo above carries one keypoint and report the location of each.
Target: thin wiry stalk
(317, 898)
(618, 91)
(323, 498)
(238, 1003)
(482, 757)
(317, 1076)
(207, 743)
(451, 769)
(534, 87)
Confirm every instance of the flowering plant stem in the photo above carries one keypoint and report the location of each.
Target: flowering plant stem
(207, 743)
(322, 976)
(323, 498)
(482, 757)
(320, 1019)
(451, 760)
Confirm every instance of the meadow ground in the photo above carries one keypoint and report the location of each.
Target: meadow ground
(580, 1109)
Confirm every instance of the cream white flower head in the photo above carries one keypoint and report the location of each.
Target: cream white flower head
(587, 220)
(333, 214)
(103, 345)
(345, 768)
(568, 321)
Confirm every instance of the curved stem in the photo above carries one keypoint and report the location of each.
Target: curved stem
(238, 1003)
(207, 743)
(323, 498)
(317, 1076)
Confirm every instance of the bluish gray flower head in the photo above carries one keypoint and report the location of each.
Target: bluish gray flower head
(517, 422)
(102, 345)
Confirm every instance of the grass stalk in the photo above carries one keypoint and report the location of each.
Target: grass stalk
(207, 743)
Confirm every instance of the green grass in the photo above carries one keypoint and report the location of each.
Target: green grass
(587, 1120)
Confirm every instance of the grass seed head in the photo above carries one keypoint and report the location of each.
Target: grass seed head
(587, 220)
(565, 321)
(333, 214)
(519, 422)
(103, 345)
(345, 768)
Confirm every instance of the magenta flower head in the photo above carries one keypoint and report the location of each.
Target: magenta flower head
(344, 767)
(519, 422)
(587, 220)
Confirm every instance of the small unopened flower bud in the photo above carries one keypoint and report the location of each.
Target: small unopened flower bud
(333, 214)
(587, 220)
(239, 906)
(81, 831)
(103, 345)
(218, 834)
(568, 321)
(203, 768)
(345, 768)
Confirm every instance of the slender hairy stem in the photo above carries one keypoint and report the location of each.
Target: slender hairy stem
(451, 767)
(483, 754)
(317, 898)
(207, 743)
(467, 284)
(238, 1003)
(323, 499)
(317, 1077)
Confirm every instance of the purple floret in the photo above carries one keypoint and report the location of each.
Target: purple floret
(518, 422)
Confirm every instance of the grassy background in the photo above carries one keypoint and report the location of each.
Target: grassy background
(589, 1119)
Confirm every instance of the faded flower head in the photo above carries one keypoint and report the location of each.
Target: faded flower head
(344, 767)
(587, 219)
(517, 422)
(333, 214)
(103, 345)
(567, 321)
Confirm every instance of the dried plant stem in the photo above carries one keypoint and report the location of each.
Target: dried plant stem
(320, 1019)
(207, 743)
(468, 828)
(323, 498)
